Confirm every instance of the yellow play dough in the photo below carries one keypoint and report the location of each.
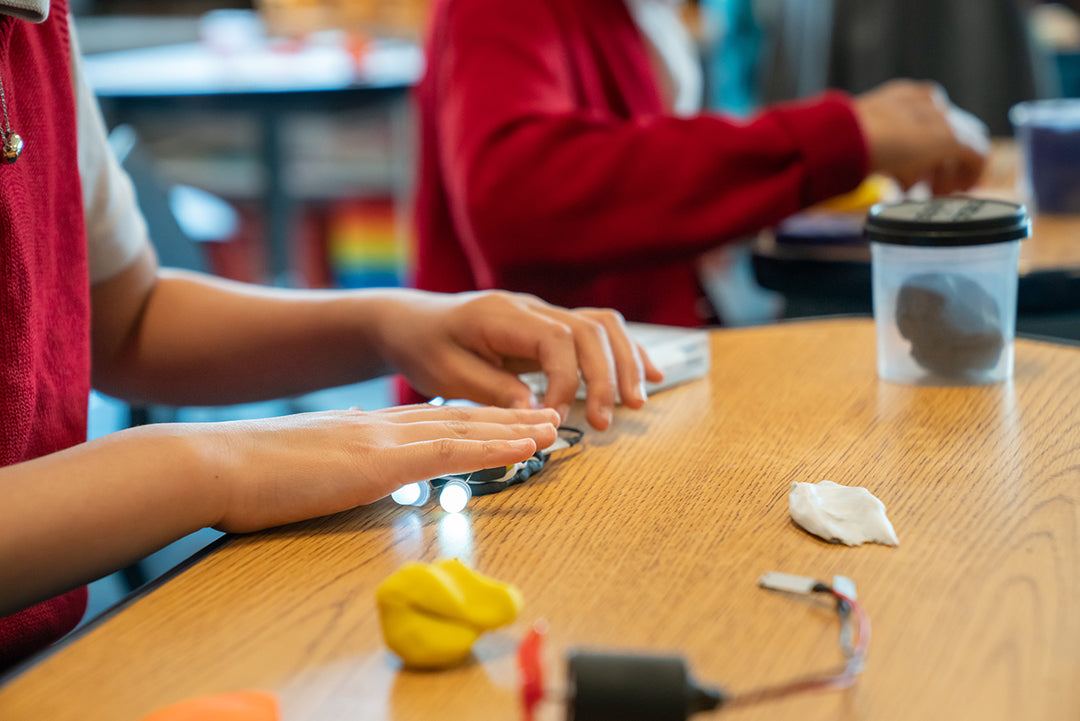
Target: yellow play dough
(874, 189)
(431, 614)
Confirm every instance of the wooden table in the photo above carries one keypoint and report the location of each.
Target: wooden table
(652, 536)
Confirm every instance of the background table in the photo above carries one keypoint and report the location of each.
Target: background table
(259, 79)
(652, 536)
(819, 278)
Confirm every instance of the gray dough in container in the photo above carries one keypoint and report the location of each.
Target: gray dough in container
(953, 324)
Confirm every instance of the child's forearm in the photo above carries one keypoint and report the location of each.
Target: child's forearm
(70, 517)
(200, 340)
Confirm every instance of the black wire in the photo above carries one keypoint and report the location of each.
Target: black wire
(571, 435)
(492, 480)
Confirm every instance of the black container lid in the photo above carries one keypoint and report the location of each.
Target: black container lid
(947, 222)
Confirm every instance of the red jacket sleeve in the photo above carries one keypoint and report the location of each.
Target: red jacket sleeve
(532, 178)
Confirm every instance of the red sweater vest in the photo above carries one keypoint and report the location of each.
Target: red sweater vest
(45, 306)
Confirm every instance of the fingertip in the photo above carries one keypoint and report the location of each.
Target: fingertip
(558, 395)
(641, 399)
(551, 435)
(561, 394)
(523, 444)
(520, 398)
(506, 452)
(600, 418)
(600, 393)
(510, 451)
(528, 448)
(651, 372)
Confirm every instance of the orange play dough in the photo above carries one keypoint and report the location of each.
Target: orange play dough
(232, 706)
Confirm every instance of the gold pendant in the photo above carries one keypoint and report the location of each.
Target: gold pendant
(13, 147)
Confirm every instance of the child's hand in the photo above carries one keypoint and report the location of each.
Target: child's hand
(281, 470)
(915, 134)
(473, 345)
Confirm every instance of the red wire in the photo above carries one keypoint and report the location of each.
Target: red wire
(839, 679)
(863, 623)
(532, 670)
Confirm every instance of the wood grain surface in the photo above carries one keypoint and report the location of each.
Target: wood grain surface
(652, 536)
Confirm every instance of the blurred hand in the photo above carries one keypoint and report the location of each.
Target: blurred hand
(473, 345)
(281, 470)
(915, 134)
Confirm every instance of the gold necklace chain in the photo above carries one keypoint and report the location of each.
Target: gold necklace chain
(13, 144)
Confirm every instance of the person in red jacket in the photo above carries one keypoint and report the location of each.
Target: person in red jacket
(85, 303)
(563, 154)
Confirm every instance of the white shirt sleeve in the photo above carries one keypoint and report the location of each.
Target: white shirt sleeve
(115, 229)
(659, 22)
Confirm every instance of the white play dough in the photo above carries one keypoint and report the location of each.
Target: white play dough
(848, 514)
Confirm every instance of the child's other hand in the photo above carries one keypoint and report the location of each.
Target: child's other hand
(915, 134)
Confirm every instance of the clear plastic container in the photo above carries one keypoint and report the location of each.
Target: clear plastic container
(944, 289)
(1048, 139)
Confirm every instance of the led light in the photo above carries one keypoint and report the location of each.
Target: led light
(454, 535)
(412, 494)
(455, 496)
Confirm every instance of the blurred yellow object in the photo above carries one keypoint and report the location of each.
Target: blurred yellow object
(874, 189)
(432, 614)
(367, 18)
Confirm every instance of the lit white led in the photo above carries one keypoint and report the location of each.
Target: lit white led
(412, 494)
(455, 496)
